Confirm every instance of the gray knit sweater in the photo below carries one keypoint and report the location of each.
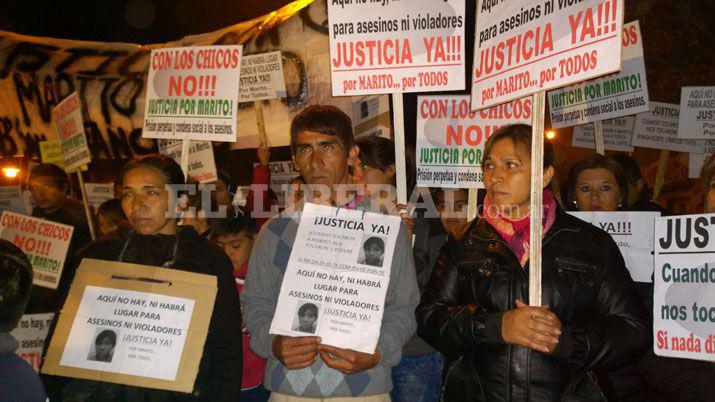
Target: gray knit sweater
(267, 265)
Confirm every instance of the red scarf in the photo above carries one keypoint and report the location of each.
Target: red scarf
(516, 233)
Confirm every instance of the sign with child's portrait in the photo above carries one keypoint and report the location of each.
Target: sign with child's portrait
(133, 324)
(337, 277)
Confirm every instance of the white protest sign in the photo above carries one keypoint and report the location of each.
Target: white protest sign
(526, 47)
(620, 94)
(697, 160)
(684, 289)
(262, 77)
(11, 199)
(633, 233)
(450, 138)
(396, 46)
(337, 277)
(202, 166)
(30, 333)
(67, 116)
(697, 113)
(617, 134)
(192, 93)
(282, 173)
(99, 193)
(44, 242)
(658, 129)
(144, 328)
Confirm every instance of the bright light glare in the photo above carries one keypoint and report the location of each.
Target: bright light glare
(551, 134)
(10, 172)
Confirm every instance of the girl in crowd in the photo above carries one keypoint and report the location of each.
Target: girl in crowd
(451, 204)
(418, 376)
(157, 240)
(597, 183)
(474, 306)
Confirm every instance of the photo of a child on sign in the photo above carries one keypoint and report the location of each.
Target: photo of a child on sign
(103, 348)
(372, 252)
(306, 318)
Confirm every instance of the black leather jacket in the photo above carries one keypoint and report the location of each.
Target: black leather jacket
(584, 281)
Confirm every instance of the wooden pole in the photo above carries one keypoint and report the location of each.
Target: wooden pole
(185, 145)
(85, 201)
(660, 175)
(598, 130)
(472, 204)
(258, 108)
(535, 205)
(398, 121)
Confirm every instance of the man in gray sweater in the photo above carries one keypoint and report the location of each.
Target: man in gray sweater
(301, 367)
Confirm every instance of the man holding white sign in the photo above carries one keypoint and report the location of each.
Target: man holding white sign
(301, 365)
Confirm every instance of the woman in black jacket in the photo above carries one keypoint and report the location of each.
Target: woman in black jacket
(157, 240)
(473, 309)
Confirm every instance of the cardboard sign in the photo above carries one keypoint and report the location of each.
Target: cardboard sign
(337, 277)
(30, 333)
(697, 160)
(658, 129)
(617, 134)
(70, 133)
(522, 48)
(192, 93)
(262, 77)
(202, 166)
(612, 96)
(44, 242)
(51, 152)
(133, 324)
(633, 233)
(99, 193)
(396, 46)
(11, 199)
(697, 113)
(450, 138)
(684, 290)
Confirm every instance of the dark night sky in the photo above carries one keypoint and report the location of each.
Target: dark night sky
(134, 21)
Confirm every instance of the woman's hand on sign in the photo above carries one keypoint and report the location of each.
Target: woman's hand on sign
(534, 327)
(295, 352)
(348, 361)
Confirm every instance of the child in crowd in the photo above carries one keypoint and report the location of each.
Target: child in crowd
(111, 217)
(235, 235)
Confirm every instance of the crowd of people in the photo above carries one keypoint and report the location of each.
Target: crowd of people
(457, 322)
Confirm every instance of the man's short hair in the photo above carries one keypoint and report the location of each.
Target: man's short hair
(374, 241)
(324, 119)
(15, 285)
(53, 172)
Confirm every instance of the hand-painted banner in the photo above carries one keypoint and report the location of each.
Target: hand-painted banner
(70, 133)
(525, 47)
(262, 77)
(684, 287)
(658, 129)
(193, 93)
(617, 134)
(697, 113)
(396, 46)
(450, 138)
(608, 97)
(44, 242)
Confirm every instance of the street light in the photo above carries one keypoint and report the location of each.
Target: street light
(551, 134)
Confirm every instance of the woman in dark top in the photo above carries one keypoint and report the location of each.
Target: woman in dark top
(157, 240)
(473, 308)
